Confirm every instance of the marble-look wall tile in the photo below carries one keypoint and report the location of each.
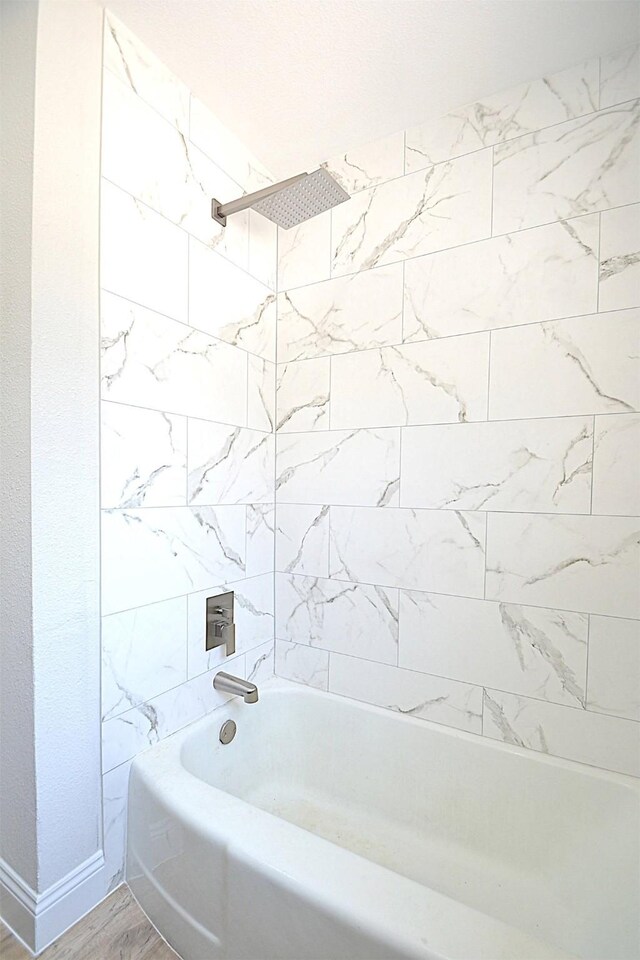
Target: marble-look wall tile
(526, 650)
(505, 115)
(229, 464)
(302, 539)
(142, 152)
(157, 553)
(349, 618)
(620, 76)
(576, 167)
(616, 465)
(436, 381)
(438, 550)
(536, 465)
(260, 538)
(261, 394)
(143, 257)
(253, 617)
(620, 258)
(207, 181)
(304, 252)
(229, 304)
(360, 467)
(224, 148)
(115, 789)
(444, 206)
(412, 694)
(144, 653)
(349, 313)
(568, 367)
(303, 664)
(369, 164)
(539, 274)
(614, 667)
(134, 64)
(589, 564)
(144, 457)
(574, 734)
(125, 736)
(260, 662)
(302, 395)
(151, 361)
(263, 249)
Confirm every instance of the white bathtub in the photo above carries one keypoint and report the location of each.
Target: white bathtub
(331, 830)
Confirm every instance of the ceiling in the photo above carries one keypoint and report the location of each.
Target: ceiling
(301, 80)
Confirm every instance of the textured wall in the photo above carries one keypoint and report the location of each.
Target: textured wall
(457, 476)
(187, 379)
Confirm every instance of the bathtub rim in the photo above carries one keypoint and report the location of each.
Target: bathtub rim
(255, 835)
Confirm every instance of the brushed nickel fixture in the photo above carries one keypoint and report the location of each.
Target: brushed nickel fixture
(227, 731)
(220, 630)
(226, 683)
(289, 202)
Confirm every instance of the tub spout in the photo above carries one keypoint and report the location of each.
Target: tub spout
(226, 683)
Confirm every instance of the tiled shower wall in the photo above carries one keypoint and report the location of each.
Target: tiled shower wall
(188, 388)
(458, 480)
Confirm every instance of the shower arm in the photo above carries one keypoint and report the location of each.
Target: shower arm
(220, 211)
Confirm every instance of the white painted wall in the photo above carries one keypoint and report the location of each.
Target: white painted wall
(51, 801)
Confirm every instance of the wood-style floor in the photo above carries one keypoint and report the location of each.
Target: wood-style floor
(116, 930)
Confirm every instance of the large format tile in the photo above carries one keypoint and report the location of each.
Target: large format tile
(261, 394)
(302, 539)
(533, 465)
(590, 564)
(569, 169)
(302, 395)
(436, 381)
(134, 64)
(348, 618)
(563, 731)
(115, 791)
(505, 115)
(143, 257)
(302, 664)
(229, 464)
(260, 662)
(260, 538)
(162, 552)
(151, 361)
(229, 304)
(425, 211)
(348, 313)
(527, 650)
(614, 667)
(143, 654)
(339, 466)
(143, 457)
(539, 274)
(616, 465)
(304, 252)
(412, 694)
(253, 618)
(207, 181)
(439, 550)
(582, 365)
(620, 258)
(620, 76)
(142, 726)
(143, 153)
(224, 148)
(369, 164)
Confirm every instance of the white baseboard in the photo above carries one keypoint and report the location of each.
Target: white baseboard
(39, 918)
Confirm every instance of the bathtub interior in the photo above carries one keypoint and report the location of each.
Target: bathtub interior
(550, 847)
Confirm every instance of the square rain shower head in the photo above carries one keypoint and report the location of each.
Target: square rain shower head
(309, 196)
